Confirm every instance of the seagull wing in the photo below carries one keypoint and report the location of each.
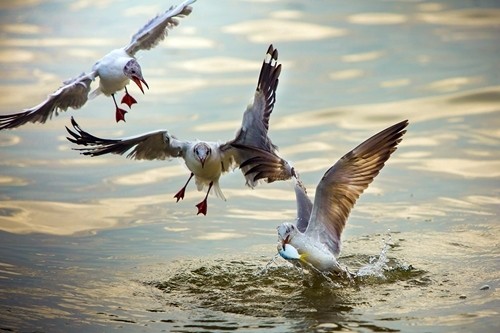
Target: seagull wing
(73, 94)
(157, 29)
(255, 124)
(344, 182)
(157, 145)
(251, 144)
(304, 206)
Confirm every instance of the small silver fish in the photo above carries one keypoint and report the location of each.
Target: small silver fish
(288, 252)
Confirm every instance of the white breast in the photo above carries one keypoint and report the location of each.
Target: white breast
(316, 253)
(110, 71)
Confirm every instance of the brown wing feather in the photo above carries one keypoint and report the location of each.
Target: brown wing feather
(344, 182)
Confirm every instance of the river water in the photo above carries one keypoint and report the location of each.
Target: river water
(99, 244)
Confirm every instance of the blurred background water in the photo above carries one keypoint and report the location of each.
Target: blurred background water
(99, 244)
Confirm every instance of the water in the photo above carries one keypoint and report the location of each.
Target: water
(99, 244)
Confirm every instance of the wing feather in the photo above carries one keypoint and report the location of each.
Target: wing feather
(72, 94)
(157, 145)
(252, 138)
(345, 181)
(157, 28)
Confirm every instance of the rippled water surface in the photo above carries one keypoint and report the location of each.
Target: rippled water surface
(99, 244)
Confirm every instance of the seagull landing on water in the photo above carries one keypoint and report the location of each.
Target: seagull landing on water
(115, 70)
(316, 236)
(319, 226)
(207, 161)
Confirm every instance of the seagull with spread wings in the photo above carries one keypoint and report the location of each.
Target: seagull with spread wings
(115, 70)
(207, 161)
(316, 235)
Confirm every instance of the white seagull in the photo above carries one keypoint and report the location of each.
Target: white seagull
(207, 161)
(115, 70)
(316, 236)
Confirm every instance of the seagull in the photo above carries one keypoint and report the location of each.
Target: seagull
(316, 234)
(207, 161)
(115, 70)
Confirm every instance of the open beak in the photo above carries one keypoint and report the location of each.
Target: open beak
(285, 241)
(138, 81)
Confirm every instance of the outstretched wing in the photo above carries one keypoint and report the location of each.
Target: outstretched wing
(73, 94)
(157, 29)
(157, 145)
(344, 182)
(255, 124)
(251, 138)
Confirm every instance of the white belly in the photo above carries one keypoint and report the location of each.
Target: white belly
(110, 71)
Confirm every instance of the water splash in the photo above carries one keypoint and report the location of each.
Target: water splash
(377, 264)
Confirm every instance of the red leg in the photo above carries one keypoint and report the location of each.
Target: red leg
(120, 113)
(180, 194)
(128, 99)
(202, 206)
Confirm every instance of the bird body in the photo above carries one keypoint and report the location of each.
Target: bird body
(110, 71)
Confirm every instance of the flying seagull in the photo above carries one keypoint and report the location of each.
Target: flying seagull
(207, 161)
(316, 235)
(115, 70)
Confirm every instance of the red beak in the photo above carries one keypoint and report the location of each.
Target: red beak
(285, 241)
(138, 82)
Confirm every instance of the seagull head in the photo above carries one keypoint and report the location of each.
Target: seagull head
(202, 151)
(286, 231)
(132, 70)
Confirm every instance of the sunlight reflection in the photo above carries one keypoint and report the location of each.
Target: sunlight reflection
(306, 147)
(187, 42)
(473, 17)
(262, 31)
(18, 3)
(262, 214)
(13, 181)
(261, 192)
(480, 101)
(45, 216)
(458, 167)
(377, 18)
(347, 74)
(19, 28)
(395, 83)
(7, 140)
(57, 42)
(451, 84)
(217, 65)
(217, 236)
(16, 55)
(360, 57)
(149, 176)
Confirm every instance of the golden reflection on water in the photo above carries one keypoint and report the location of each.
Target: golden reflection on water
(474, 17)
(29, 216)
(457, 166)
(145, 177)
(278, 30)
(377, 18)
(218, 65)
